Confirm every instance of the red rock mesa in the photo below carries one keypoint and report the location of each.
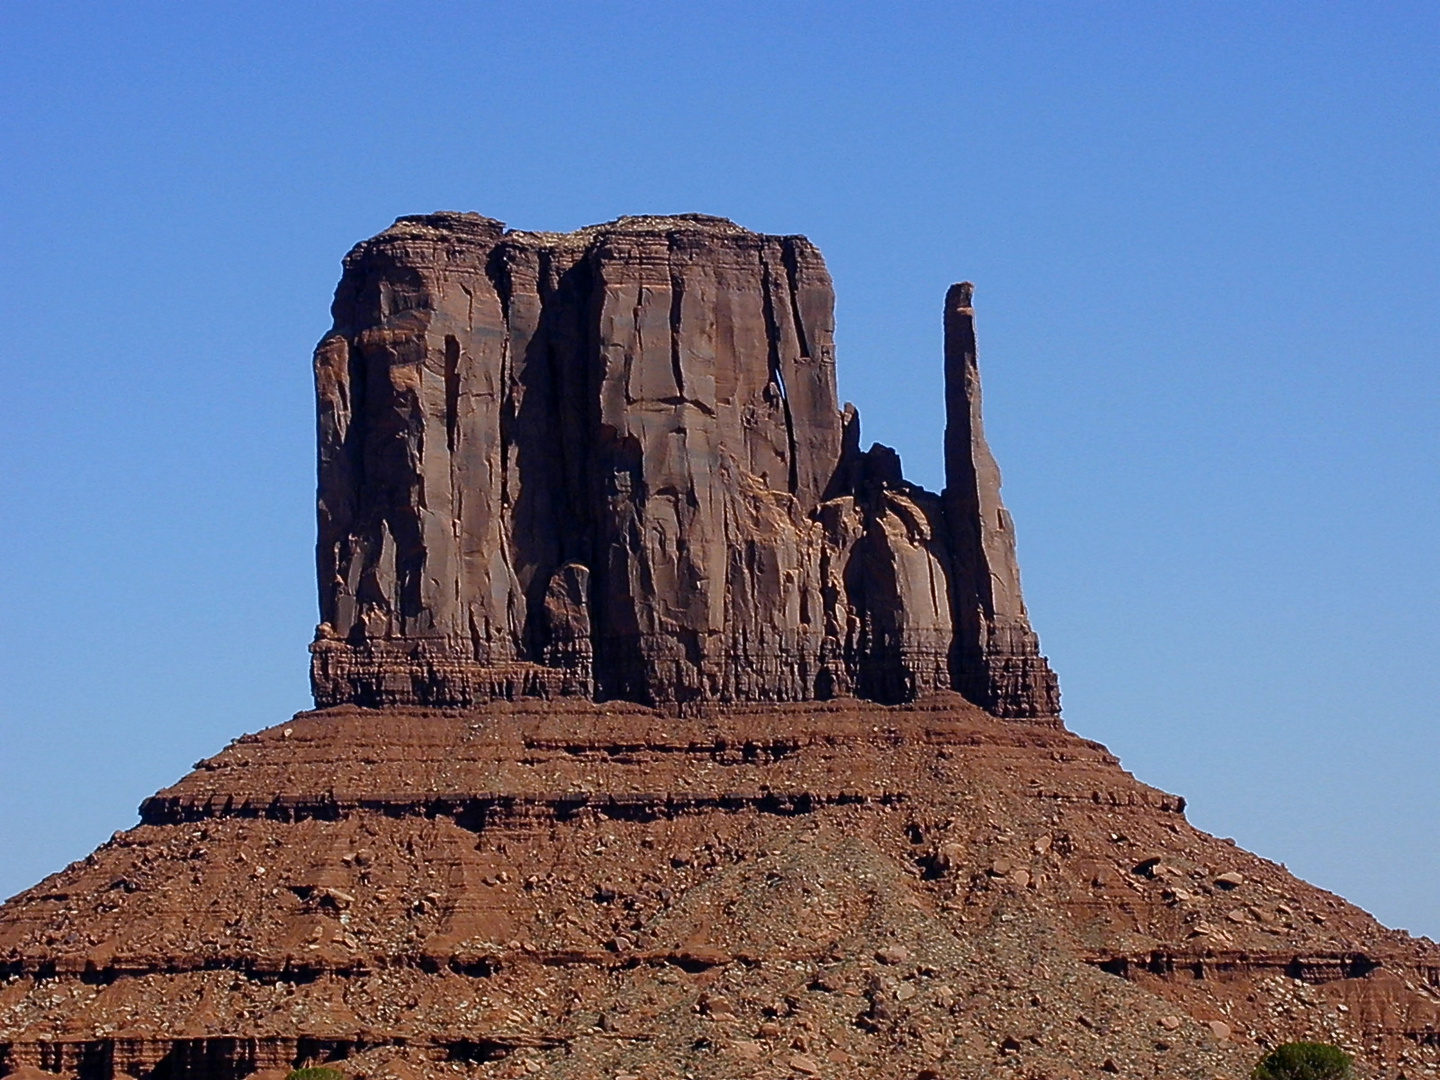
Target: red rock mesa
(612, 463)
(663, 733)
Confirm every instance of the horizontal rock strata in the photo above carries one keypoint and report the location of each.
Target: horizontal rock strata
(577, 890)
(612, 464)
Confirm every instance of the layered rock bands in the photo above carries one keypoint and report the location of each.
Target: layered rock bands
(612, 463)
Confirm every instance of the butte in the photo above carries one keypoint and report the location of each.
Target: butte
(662, 732)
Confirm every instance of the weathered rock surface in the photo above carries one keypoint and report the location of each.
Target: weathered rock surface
(612, 463)
(570, 889)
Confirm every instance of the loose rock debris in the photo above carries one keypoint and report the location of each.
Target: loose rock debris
(500, 893)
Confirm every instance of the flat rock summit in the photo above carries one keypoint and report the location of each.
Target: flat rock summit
(664, 733)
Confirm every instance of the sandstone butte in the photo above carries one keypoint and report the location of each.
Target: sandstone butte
(662, 732)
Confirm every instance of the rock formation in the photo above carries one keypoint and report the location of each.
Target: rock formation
(612, 463)
(571, 486)
(577, 890)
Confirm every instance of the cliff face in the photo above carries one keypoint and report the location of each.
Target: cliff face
(612, 463)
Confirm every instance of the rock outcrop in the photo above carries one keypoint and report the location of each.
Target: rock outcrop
(612, 463)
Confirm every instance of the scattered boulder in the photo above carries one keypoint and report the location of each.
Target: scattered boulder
(893, 954)
(1146, 867)
(716, 1006)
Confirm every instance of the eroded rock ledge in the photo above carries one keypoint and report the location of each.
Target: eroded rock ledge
(612, 464)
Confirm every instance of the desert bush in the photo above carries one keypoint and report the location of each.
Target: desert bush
(1304, 1061)
(315, 1072)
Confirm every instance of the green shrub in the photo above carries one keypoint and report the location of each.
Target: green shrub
(315, 1072)
(1304, 1061)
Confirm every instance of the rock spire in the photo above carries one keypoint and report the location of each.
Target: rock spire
(612, 463)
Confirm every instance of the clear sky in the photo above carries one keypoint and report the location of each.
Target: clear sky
(1204, 237)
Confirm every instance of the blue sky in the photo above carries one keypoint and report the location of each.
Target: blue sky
(1204, 238)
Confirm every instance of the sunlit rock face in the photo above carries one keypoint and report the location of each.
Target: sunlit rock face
(612, 463)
